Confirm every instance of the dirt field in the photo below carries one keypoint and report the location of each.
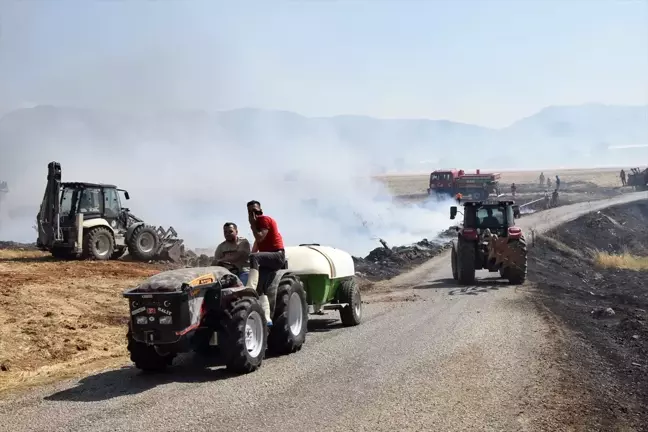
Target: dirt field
(60, 318)
(592, 274)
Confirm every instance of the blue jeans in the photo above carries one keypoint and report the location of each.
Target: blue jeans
(244, 276)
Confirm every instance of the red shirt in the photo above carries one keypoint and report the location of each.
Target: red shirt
(273, 240)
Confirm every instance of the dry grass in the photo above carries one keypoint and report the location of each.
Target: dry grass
(407, 184)
(624, 261)
(61, 318)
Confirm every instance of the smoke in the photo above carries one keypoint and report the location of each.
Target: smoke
(180, 171)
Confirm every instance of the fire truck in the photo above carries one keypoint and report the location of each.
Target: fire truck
(477, 186)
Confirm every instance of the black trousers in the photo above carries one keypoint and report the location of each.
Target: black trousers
(266, 263)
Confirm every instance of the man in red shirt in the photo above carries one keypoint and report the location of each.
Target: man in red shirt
(268, 252)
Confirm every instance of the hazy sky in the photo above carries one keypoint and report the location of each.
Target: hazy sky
(478, 61)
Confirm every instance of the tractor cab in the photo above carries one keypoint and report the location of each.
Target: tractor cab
(497, 216)
(94, 201)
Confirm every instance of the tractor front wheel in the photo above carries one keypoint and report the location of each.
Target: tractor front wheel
(244, 336)
(143, 243)
(146, 358)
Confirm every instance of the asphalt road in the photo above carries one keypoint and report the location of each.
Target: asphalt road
(435, 357)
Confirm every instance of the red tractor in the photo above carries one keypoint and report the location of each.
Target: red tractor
(478, 186)
(488, 239)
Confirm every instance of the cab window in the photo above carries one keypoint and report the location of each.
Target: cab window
(494, 219)
(111, 203)
(91, 201)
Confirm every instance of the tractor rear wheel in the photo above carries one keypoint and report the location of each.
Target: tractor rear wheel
(453, 261)
(98, 243)
(143, 243)
(466, 262)
(516, 274)
(289, 324)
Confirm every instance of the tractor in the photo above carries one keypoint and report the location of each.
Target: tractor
(488, 239)
(208, 310)
(87, 220)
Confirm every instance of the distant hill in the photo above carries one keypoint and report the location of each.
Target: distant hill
(557, 135)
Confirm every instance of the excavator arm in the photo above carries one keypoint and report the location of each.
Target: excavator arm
(48, 220)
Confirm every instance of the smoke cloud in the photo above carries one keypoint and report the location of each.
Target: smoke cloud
(185, 174)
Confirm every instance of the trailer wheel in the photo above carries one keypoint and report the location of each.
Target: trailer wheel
(244, 337)
(351, 315)
(98, 243)
(145, 357)
(290, 321)
(143, 243)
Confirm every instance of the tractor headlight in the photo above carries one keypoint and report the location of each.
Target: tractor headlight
(141, 320)
(166, 320)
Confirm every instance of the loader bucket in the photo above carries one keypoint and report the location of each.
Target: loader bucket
(171, 248)
(172, 252)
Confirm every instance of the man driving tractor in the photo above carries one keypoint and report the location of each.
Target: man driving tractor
(490, 220)
(234, 251)
(268, 252)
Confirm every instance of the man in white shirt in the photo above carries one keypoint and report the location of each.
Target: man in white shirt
(234, 250)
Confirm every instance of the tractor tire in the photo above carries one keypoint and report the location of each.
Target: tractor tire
(143, 243)
(145, 357)
(118, 253)
(517, 274)
(350, 315)
(504, 272)
(290, 321)
(453, 262)
(466, 262)
(98, 243)
(244, 337)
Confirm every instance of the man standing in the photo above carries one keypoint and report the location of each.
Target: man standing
(513, 189)
(623, 177)
(235, 250)
(268, 252)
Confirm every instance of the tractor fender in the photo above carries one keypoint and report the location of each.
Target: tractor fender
(91, 223)
(129, 231)
(274, 284)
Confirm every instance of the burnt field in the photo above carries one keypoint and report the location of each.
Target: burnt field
(592, 274)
